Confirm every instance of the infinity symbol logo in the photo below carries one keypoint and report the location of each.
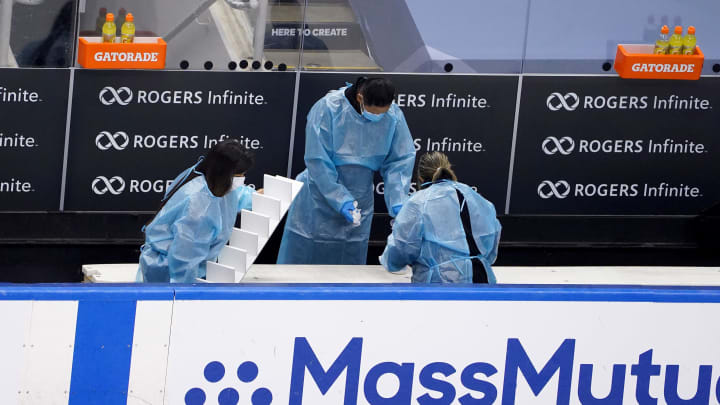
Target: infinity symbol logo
(105, 140)
(548, 189)
(123, 95)
(552, 145)
(557, 101)
(101, 185)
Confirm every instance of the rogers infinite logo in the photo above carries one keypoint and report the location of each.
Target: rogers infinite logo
(106, 140)
(109, 95)
(559, 189)
(562, 189)
(552, 145)
(123, 96)
(557, 101)
(114, 185)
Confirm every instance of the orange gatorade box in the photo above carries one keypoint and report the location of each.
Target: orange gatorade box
(639, 62)
(144, 53)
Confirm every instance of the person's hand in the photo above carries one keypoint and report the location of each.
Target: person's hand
(261, 191)
(347, 211)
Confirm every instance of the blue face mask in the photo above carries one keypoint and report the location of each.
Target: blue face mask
(370, 116)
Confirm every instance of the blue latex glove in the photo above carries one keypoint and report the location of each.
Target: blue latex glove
(396, 209)
(347, 211)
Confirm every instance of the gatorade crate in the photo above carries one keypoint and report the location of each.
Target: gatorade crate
(639, 62)
(144, 53)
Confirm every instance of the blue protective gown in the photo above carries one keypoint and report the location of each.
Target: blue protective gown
(343, 150)
(428, 235)
(189, 230)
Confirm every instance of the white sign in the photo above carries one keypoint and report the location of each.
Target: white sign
(442, 352)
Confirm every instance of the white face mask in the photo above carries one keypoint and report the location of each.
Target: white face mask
(237, 182)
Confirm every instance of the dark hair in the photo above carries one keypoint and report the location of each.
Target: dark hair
(377, 92)
(435, 166)
(225, 160)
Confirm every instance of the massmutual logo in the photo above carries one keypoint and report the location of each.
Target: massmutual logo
(215, 373)
(107, 140)
(342, 380)
(572, 101)
(116, 185)
(110, 95)
(557, 101)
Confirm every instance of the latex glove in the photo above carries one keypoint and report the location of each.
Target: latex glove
(347, 211)
(396, 209)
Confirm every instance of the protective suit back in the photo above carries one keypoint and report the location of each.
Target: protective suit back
(190, 229)
(428, 235)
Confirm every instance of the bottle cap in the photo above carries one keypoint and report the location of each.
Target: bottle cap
(109, 17)
(678, 29)
(665, 29)
(691, 30)
(129, 17)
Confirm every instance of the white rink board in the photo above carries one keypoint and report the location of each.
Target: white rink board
(455, 332)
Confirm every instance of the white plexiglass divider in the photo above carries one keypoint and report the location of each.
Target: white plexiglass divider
(235, 258)
(257, 226)
(220, 273)
(269, 206)
(277, 187)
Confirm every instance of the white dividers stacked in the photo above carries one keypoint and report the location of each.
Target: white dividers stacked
(257, 226)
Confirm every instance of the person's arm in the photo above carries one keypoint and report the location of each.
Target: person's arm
(397, 168)
(491, 256)
(192, 236)
(245, 199)
(404, 244)
(318, 147)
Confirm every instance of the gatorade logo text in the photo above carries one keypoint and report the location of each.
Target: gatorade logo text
(114, 185)
(126, 56)
(105, 140)
(548, 189)
(552, 145)
(557, 101)
(663, 67)
(122, 96)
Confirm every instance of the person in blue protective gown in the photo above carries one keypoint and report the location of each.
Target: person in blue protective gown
(351, 133)
(446, 231)
(197, 216)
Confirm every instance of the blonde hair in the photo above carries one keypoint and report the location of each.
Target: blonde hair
(435, 166)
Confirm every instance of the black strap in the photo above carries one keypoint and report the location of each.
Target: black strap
(479, 271)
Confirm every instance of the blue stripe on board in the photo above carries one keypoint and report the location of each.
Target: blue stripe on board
(132, 292)
(103, 347)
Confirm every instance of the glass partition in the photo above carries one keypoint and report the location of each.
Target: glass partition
(571, 36)
(37, 33)
(205, 34)
(423, 36)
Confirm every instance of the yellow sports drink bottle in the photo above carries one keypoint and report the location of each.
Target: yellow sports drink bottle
(676, 42)
(128, 29)
(689, 41)
(663, 43)
(109, 28)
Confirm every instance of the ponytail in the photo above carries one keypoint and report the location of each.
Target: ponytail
(444, 173)
(435, 166)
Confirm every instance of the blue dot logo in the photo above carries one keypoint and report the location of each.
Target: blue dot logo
(214, 371)
(247, 372)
